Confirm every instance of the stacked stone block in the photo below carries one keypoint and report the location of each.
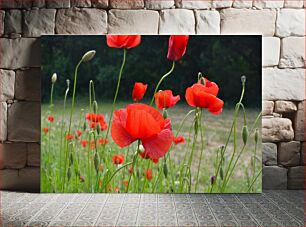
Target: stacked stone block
(281, 22)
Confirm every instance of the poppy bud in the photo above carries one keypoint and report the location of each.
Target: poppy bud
(82, 179)
(165, 169)
(221, 173)
(69, 173)
(54, 78)
(98, 129)
(84, 126)
(243, 79)
(256, 135)
(88, 56)
(68, 83)
(165, 113)
(96, 162)
(213, 180)
(177, 47)
(95, 106)
(141, 148)
(245, 134)
(202, 81)
(199, 75)
(71, 159)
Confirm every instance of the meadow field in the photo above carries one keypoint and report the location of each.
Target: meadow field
(87, 173)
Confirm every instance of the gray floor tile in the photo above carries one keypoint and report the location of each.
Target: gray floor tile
(271, 208)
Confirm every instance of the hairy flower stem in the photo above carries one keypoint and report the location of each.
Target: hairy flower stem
(117, 170)
(202, 148)
(71, 113)
(195, 136)
(161, 80)
(254, 157)
(235, 134)
(182, 166)
(168, 156)
(62, 128)
(254, 180)
(116, 94)
(133, 165)
(145, 180)
(226, 180)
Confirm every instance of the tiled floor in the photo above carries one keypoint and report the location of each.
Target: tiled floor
(271, 208)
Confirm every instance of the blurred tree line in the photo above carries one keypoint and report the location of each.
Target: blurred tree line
(222, 59)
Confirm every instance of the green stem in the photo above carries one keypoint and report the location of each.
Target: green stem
(202, 148)
(157, 179)
(73, 94)
(234, 126)
(116, 94)
(161, 80)
(145, 180)
(62, 128)
(195, 136)
(169, 154)
(182, 166)
(254, 180)
(88, 161)
(51, 97)
(226, 179)
(218, 169)
(71, 112)
(117, 170)
(133, 166)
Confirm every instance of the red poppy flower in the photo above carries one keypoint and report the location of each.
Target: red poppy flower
(139, 91)
(84, 143)
(82, 178)
(131, 169)
(125, 183)
(143, 122)
(103, 125)
(46, 130)
(116, 189)
(50, 118)
(96, 118)
(144, 155)
(148, 174)
(118, 159)
(177, 47)
(102, 141)
(69, 136)
(165, 99)
(204, 96)
(78, 133)
(92, 145)
(100, 183)
(179, 139)
(123, 41)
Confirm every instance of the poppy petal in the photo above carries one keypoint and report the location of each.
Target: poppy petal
(141, 121)
(158, 145)
(133, 41)
(189, 97)
(215, 106)
(120, 136)
(211, 87)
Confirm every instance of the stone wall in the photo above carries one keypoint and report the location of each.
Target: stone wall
(281, 22)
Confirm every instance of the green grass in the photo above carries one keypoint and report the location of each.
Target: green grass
(216, 130)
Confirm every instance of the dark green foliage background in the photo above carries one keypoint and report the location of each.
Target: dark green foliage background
(222, 59)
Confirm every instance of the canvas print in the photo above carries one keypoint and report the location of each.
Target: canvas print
(151, 114)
